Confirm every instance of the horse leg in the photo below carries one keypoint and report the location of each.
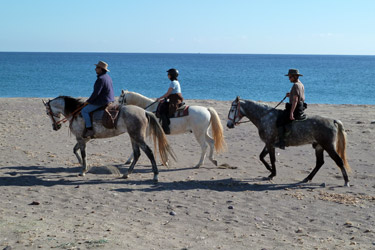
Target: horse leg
(76, 147)
(319, 153)
(340, 163)
(261, 157)
(271, 151)
(150, 156)
(82, 147)
(130, 159)
(211, 144)
(136, 154)
(202, 142)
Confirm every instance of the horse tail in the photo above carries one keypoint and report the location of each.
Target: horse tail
(341, 143)
(157, 132)
(217, 131)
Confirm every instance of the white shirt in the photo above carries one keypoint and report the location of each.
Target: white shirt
(175, 85)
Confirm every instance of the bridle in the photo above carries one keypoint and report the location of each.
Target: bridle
(237, 113)
(123, 101)
(57, 124)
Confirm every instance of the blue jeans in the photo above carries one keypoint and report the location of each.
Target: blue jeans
(86, 113)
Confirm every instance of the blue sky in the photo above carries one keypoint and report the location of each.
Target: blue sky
(190, 26)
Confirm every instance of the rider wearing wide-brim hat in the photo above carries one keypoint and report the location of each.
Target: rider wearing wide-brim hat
(101, 96)
(294, 109)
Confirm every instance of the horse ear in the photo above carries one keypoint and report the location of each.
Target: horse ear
(237, 98)
(122, 92)
(44, 102)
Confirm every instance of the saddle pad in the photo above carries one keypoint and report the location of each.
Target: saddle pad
(107, 116)
(182, 111)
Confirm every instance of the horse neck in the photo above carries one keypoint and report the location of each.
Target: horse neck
(254, 111)
(138, 100)
(68, 105)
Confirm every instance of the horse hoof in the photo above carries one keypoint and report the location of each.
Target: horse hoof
(82, 174)
(305, 180)
(125, 176)
(197, 166)
(155, 180)
(214, 162)
(128, 162)
(347, 184)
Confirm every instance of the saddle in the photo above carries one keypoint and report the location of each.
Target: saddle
(182, 111)
(107, 115)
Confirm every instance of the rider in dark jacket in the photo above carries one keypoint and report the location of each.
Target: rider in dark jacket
(102, 95)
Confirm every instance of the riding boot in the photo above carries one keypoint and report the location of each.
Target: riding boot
(89, 132)
(281, 133)
(165, 123)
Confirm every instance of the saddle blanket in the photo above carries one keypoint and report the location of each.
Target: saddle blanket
(107, 115)
(181, 111)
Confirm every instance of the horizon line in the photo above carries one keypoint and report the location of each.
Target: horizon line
(191, 53)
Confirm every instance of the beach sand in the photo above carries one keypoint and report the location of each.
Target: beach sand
(45, 204)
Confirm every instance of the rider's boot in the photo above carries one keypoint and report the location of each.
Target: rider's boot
(281, 142)
(89, 132)
(165, 123)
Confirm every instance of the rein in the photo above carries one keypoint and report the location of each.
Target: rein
(239, 115)
(150, 104)
(66, 118)
(123, 101)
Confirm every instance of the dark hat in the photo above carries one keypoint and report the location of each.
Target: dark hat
(293, 72)
(173, 72)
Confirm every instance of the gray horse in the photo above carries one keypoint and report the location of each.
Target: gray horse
(132, 119)
(323, 133)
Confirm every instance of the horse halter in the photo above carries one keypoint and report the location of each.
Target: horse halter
(123, 101)
(55, 124)
(236, 105)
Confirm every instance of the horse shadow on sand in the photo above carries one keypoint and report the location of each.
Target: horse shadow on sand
(25, 176)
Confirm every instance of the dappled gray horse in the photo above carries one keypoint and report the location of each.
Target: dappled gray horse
(131, 119)
(323, 133)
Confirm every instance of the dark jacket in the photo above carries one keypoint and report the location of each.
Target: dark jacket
(103, 91)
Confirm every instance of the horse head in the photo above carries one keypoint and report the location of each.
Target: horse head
(53, 111)
(234, 115)
(122, 98)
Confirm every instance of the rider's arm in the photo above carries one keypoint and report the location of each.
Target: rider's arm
(294, 105)
(165, 95)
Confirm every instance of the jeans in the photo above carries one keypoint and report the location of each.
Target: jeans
(86, 113)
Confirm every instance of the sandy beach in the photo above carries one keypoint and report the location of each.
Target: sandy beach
(45, 204)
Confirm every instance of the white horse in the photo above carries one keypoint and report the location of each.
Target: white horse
(198, 122)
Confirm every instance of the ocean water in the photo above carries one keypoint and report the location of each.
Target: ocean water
(327, 78)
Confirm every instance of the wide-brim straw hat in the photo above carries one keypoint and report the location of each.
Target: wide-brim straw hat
(293, 72)
(102, 65)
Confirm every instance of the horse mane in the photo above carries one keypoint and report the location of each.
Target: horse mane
(71, 103)
(264, 106)
(135, 98)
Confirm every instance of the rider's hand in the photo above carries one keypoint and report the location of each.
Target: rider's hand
(291, 117)
(287, 94)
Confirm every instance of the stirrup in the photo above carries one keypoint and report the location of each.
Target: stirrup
(88, 133)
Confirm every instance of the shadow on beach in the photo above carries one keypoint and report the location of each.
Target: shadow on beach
(25, 176)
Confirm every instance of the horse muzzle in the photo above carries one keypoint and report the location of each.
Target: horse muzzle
(56, 126)
(230, 124)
